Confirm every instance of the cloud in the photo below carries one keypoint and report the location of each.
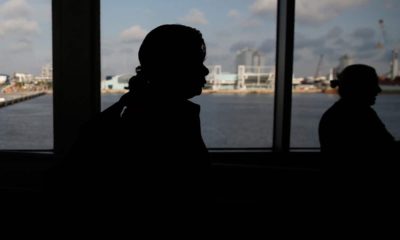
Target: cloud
(196, 17)
(332, 37)
(106, 51)
(18, 26)
(335, 32)
(301, 42)
(15, 8)
(331, 44)
(127, 50)
(392, 4)
(233, 13)
(241, 45)
(268, 46)
(309, 11)
(250, 24)
(226, 60)
(364, 33)
(360, 44)
(133, 34)
(15, 18)
(21, 45)
(365, 46)
(261, 7)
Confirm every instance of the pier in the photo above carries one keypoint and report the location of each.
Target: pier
(9, 99)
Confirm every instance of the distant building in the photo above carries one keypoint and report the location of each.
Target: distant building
(251, 73)
(252, 70)
(394, 68)
(23, 78)
(217, 79)
(46, 74)
(253, 77)
(117, 82)
(249, 57)
(4, 79)
(248, 77)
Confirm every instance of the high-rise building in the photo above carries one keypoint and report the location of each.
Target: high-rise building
(47, 73)
(250, 57)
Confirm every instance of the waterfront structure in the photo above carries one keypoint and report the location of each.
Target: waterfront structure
(117, 82)
(247, 77)
(250, 77)
(217, 79)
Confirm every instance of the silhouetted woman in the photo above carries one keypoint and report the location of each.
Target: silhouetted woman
(351, 125)
(150, 142)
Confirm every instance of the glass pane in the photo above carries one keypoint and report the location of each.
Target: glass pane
(329, 36)
(26, 118)
(237, 101)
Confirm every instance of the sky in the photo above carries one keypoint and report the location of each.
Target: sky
(25, 35)
(331, 28)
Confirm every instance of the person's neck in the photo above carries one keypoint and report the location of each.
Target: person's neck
(159, 94)
(355, 101)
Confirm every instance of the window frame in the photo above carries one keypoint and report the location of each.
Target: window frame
(86, 100)
(76, 45)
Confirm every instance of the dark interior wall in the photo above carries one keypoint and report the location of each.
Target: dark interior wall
(236, 177)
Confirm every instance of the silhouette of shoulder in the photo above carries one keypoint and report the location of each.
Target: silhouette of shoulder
(352, 127)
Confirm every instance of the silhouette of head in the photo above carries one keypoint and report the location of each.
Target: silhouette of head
(171, 60)
(358, 83)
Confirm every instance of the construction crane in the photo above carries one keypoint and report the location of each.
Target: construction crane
(394, 69)
(321, 57)
(381, 44)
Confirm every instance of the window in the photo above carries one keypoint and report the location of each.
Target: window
(331, 35)
(83, 57)
(76, 86)
(26, 118)
(238, 101)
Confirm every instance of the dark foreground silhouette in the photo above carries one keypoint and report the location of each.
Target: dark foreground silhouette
(358, 151)
(149, 143)
(351, 125)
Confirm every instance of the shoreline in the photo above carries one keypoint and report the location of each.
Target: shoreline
(209, 91)
(10, 99)
(227, 91)
(264, 91)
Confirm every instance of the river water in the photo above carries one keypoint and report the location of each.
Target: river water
(228, 121)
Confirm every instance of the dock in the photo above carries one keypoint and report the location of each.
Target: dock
(9, 99)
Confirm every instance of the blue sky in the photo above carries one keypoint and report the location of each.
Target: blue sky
(329, 27)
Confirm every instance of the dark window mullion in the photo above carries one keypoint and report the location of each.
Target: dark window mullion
(76, 67)
(284, 73)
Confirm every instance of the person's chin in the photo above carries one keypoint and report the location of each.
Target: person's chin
(372, 101)
(194, 93)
